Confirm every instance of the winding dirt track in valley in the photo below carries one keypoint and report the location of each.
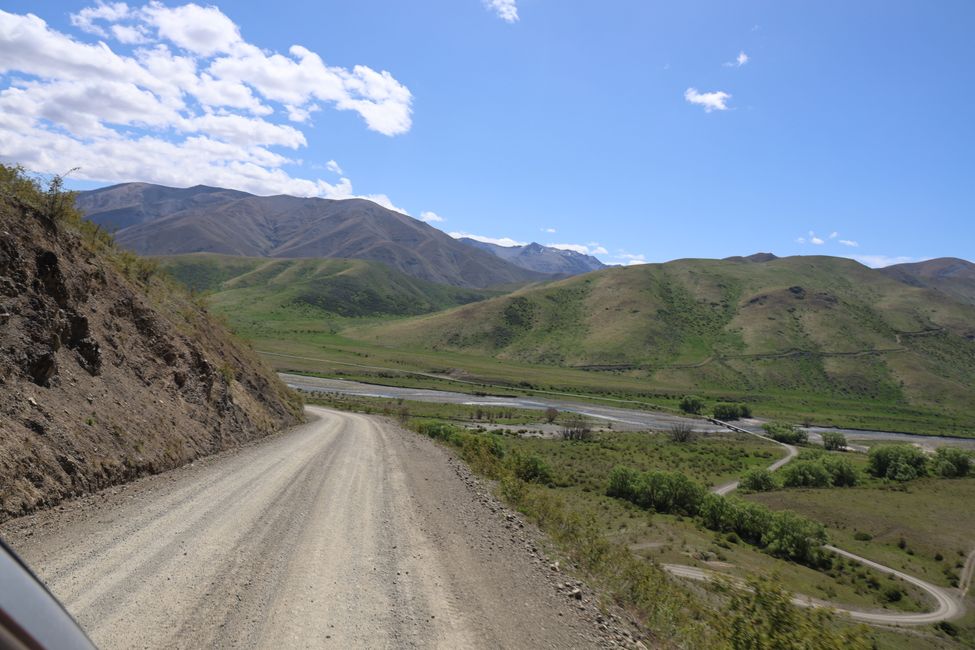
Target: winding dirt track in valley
(343, 532)
(949, 604)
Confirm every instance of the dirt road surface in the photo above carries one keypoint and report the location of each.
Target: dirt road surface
(344, 532)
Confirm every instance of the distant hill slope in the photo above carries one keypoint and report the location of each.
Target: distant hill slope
(818, 325)
(304, 287)
(156, 220)
(108, 371)
(543, 259)
(949, 275)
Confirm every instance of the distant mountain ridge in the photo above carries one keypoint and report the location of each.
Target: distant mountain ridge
(157, 220)
(542, 259)
(949, 275)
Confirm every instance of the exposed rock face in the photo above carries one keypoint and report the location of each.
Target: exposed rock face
(103, 376)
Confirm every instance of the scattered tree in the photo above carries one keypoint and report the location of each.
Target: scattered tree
(758, 479)
(896, 462)
(692, 404)
(727, 412)
(551, 413)
(833, 440)
(951, 462)
(786, 433)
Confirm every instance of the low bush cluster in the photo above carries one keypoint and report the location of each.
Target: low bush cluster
(897, 462)
(820, 472)
(787, 433)
(727, 412)
(692, 404)
(668, 492)
(833, 441)
(758, 479)
(783, 534)
(951, 462)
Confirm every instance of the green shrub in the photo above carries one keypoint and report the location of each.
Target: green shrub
(784, 534)
(531, 468)
(622, 483)
(805, 473)
(833, 440)
(896, 462)
(758, 480)
(951, 462)
(692, 404)
(842, 473)
(727, 412)
(861, 536)
(796, 538)
(786, 433)
(744, 410)
(437, 430)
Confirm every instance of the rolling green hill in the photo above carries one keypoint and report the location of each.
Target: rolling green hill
(816, 327)
(311, 288)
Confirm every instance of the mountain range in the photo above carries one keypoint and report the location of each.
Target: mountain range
(543, 259)
(156, 220)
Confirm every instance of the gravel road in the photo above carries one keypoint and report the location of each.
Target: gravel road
(343, 532)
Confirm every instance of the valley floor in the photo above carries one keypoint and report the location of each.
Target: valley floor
(343, 532)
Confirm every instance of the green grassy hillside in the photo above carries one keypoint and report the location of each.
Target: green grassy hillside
(819, 328)
(259, 288)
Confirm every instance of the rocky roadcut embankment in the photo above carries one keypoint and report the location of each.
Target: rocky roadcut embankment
(106, 371)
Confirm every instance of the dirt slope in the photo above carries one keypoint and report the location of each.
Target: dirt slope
(344, 532)
(106, 371)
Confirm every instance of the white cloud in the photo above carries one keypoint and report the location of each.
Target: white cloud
(333, 167)
(130, 35)
(550, 231)
(880, 261)
(181, 99)
(834, 235)
(499, 241)
(200, 30)
(592, 248)
(507, 10)
(631, 259)
(716, 101)
(850, 243)
(85, 19)
(813, 239)
(739, 61)
(431, 217)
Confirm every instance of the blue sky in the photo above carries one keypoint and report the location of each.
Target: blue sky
(640, 130)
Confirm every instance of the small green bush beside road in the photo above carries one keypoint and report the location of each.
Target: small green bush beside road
(758, 480)
(728, 412)
(833, 441)
(692, 404)
(786, 433)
